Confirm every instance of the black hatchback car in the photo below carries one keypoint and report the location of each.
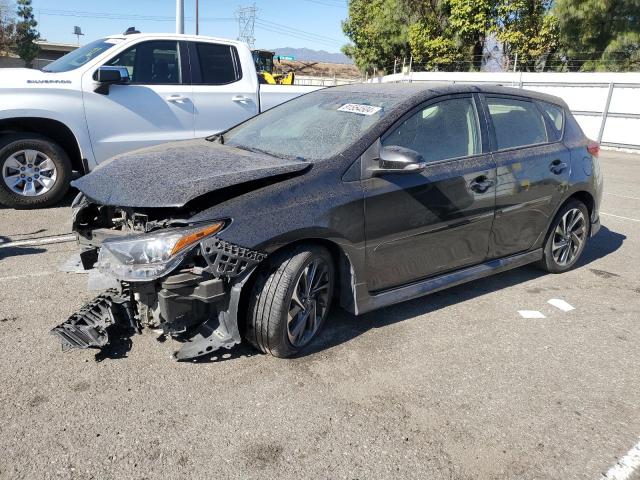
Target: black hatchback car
(363, 195)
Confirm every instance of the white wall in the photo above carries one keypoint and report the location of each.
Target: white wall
(587, 95)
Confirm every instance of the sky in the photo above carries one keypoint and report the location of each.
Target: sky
(314, 24)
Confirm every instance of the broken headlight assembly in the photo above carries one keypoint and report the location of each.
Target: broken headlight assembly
(140, 258)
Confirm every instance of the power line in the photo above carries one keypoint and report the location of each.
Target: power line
(298, 36)
(117, 16)
(329, 3)
(296, 32)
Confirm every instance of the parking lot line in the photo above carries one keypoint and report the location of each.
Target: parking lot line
(626, 466)
(619, 216)
(70, 237)
(531, 314)
(26, 275)
(622, 196)
(561, 304)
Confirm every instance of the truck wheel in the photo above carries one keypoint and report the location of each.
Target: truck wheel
(35, 171)
(290, 300)
(567, 238)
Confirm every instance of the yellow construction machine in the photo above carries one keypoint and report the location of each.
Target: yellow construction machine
(264, 65)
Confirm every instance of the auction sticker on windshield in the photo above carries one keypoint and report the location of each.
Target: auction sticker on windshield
(359, 109)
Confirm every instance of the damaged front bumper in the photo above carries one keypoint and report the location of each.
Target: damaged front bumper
(196, 304)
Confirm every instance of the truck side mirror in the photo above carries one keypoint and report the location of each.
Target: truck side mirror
(106, 76)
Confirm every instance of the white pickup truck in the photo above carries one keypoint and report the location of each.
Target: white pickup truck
(117, 94)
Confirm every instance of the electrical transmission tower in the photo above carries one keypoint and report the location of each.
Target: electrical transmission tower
(246, 24)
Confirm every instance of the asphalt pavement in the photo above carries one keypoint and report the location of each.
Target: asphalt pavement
(456, 385)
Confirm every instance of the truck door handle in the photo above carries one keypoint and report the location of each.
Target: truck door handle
(176, 99)
(557, 167)
(240, 99)
(481, 184)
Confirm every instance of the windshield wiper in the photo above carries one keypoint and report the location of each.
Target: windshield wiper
(215, 137)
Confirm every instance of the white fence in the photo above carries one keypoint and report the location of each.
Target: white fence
(607, 105)
(311, 81)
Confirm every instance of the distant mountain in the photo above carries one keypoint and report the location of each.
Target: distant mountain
(306, 54)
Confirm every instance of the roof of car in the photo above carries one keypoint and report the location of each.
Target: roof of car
(179, 36)
(424, 90)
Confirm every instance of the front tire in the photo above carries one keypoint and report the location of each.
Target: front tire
(35, 172)
(290, 300)
(567, 238)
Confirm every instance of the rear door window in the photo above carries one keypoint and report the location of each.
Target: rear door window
(517, 123)
(440, 131)
(218, 64)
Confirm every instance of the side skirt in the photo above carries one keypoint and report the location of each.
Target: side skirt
(366, 302)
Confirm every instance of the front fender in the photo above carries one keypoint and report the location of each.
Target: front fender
(63, 106)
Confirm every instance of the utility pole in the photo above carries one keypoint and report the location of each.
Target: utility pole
(197, 17)
(246, 24)
(179, 16)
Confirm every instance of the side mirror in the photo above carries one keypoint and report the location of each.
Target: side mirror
(396, 159)
(106, 76)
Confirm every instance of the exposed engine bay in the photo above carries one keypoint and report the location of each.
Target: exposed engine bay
(170, 275)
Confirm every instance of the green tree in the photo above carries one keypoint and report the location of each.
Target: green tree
(526, 28)
(378, 30)
(448, 34)
(472, 21)
(598, 34)
(434, 45)
(26, 33)
(7, 27)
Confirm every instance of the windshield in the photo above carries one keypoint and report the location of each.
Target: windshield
(80, 56)
(316, 126)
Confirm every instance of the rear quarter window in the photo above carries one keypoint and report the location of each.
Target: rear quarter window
(555, 119)
(517, 123)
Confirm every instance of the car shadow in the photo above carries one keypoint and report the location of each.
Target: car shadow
(342, 327)
(66, 201)
(6, 252)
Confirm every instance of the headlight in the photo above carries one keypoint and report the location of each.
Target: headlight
(147, 257)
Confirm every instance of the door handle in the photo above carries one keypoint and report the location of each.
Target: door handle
(176, 99)
(481, 184)
(240, 99)
(557, 167)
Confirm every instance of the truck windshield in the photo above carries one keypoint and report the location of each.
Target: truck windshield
(315, 126)
(82, 55)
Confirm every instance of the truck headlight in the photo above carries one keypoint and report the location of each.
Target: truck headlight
(147, 257)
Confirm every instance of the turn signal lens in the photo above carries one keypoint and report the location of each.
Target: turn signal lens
(196, 236)
(594, 149)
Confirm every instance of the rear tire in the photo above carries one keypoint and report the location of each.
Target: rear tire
(567, 238)
(35, 172)
(290, 300)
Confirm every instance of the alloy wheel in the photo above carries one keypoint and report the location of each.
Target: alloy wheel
(568, 237)
(29, 173)
(309, 302)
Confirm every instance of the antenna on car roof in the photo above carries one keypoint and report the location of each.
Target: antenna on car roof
(131, 31)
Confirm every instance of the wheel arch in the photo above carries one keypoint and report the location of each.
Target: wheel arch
(581, 195)
(54, 130)
(345, 278)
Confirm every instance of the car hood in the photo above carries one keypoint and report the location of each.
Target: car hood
(171, 175)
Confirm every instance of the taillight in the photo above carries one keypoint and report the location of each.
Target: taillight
(594, 149)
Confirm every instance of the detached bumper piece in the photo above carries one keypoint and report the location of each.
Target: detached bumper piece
(227, 259)
(195, 312)
(89, 327)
